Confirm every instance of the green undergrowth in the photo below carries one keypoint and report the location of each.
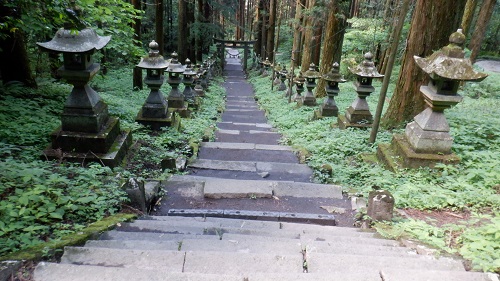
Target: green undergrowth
(473, 185)
(42, 201)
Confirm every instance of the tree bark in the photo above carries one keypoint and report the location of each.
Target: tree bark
(271, 30)
(159, 26)
(182, 41)
(258, 29)
(332, 46)
(297, 32)
(316, 52)
(432, 24)
(482, 22)
(136, 25)
(470, 9)
(308, 39)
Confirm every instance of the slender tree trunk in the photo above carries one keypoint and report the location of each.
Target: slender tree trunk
(297, 32)
(470, 9)
(271, 29)
(432, 24)
(136, 25)
(318, 34)
(332, 46)
(258, 28)
(15, 64)
(308, 39)
(190, 16)
(159, 26)
(182, 41)
(482, 22)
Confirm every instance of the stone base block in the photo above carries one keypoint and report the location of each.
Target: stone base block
(399, 154)
(176, 102)
(309, 101)
(424, 141)
(83, 142)
(158, 123)
(329, 111)
(358, 116)
(183, 112)
(344, 123)
(111, 158)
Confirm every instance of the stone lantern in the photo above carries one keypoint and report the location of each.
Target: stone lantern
(260, 65)
(310, 75)
(332, 78)
(283, 74)
(188, 80)
(358, 115)
(427, 139)
(87, 132)
(267, 64)
(154, 112)
(299, 87)
(175, 70)
(198, 89)
(277, 73)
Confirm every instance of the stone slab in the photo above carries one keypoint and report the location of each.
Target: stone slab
(237, 145)
(241, 263)
(243, 246)
(295, 189)
(63, 272)
(224, 165)
(227, 154)
(8, 269)
(435, 275)
(265, 137)
(128, 235)
(283, 167)
(124, 258)
(325, 263)
(368, 275)
(217, 189)
(134, 244)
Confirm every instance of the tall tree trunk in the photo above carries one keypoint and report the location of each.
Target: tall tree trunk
(431, 26)
(182, 41)
(190, 17)
(470, 9)
(136, 25)
(482, 22)
(297, 32)
(159, 26)
(332, 46)
(308, 39)
(318, 34)
(265, 26)
(15, 64)
(258, 29)
(271, 29)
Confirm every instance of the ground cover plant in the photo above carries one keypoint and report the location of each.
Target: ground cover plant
(44, 200)
(472, 187)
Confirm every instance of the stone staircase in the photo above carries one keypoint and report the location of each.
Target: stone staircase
(192, 248)
(240, 215)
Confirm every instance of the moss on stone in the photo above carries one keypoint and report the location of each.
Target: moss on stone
(39, 251)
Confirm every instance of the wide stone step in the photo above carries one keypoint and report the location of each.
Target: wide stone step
(245, 146)
(245, 127)
(228, 117)
(151, 236)
(242, 153)
(435, 275)
(65, 272)
(228, 188)
(250, 136)
(180, 261)
(249, 166)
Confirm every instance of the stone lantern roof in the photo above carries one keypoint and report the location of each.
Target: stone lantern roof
(299, 79)
(154, 60)
(334, 74)
(175, 66)
(278, 67)
(189, 70)
(71, 41)
(312, 73)
(366, 68)
(267, 62)
(449, 62)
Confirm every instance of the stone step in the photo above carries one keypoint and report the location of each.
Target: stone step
(258, 167)
(245, 127)
(227, 117)
(216, 187)
(245, 146)
(435, 275)
(180, 261)
(250, 136)
(63, 272)
(325, 263)
(150, 236)
(227, 154)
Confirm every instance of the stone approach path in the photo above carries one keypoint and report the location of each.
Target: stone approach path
(221, 245)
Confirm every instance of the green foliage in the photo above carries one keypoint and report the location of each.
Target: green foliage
(40, 201)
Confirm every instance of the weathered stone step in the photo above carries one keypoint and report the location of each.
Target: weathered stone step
(257, 167)
(250, 136)
(244, 127)
(180, 261)
(151, 236)
(63, 272)
(229, 154)
(245, 146)
(260, 118)
(435, 275)
(215, 187)
(325, 263)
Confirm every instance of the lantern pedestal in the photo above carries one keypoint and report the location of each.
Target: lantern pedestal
(399, 154)
(358, 115)
(172, 120)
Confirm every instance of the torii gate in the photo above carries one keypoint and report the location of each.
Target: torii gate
(222, 44)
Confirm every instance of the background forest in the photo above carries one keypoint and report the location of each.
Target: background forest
(44, 200)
